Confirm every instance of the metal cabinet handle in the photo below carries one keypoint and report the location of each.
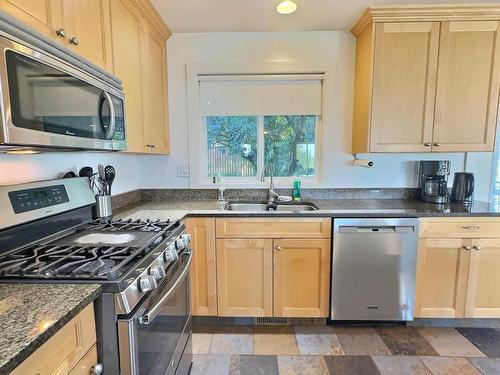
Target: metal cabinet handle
(74, 41)
(96, 370)
(61, 32)
(153, 145)
(437, 144)
(468, 248)
(477, 248)
(278, 248)
(427, 144)
(471, 227)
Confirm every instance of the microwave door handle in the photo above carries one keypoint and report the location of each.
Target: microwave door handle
(112, 115)
(151, 313)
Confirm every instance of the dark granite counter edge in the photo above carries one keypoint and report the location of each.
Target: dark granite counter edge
(23, 354)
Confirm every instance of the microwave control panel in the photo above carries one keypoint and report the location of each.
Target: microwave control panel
(34, 199)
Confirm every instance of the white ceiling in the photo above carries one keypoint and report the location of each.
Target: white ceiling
(260, 15)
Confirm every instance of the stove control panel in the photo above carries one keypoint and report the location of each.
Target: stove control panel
(34, 199)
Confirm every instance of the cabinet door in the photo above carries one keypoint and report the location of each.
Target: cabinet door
(301, 277)
(203, 268)
(42, 15)
(86, 363)
(467, 88)
(126, 24)
(154, 92)
(442, 270)
(244, 277)
(483, 296)
(89, 22)
(404, 78)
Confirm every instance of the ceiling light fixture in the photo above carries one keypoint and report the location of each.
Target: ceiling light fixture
(286, 7)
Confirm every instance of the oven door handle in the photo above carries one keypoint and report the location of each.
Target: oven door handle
(151, 313)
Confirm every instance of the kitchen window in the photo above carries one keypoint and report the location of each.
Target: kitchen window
(251, 122)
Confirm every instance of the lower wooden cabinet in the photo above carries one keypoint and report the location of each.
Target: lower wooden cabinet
(458, 277)
(245, 277)
(301, 277)
(203, 268)
(70, 351)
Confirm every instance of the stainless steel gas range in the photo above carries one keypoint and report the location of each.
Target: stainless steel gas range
(143, 315)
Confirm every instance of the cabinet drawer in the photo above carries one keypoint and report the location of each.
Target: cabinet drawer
(62, 352)
(480, 227)
(273, 228)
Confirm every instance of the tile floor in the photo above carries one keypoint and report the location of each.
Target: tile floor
(327, 350)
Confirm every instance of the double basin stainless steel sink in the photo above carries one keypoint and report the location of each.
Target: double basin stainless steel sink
(263, 206)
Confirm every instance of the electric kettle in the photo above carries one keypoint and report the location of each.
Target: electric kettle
(463, 188)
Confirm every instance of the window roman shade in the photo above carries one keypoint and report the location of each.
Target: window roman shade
(257, 95)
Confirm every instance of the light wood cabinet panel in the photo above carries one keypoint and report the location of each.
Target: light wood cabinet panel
(483, 296)
(273, 228)
(89, 22)
(467, 88)
(301, 277)
(203, 268)
(442, 276)
(63, 351)
(154, 91)
(127, 23)
(460, 227)
(39, 14)
(86, 363)
(404, 78)
(245, 277)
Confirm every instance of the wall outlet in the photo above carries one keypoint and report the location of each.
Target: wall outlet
(183, 171)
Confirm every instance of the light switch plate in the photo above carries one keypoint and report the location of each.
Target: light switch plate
(183, 171)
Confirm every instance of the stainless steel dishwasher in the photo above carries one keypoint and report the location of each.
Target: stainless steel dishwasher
(373, 269)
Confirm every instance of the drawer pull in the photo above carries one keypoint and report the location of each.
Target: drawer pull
(477, 248)
(74, 41)
(96, 370)
(468, 248)
(61, 33)
(471, 227)
(278, 248)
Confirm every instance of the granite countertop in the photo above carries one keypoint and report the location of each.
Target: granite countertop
(177, 209)
(30, 314)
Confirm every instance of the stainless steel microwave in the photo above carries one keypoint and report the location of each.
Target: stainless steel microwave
(51, 99)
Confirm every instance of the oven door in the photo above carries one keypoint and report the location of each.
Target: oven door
(48, 103)
(156, 338)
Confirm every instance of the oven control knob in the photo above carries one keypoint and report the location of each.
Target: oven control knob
(180, 244)
(147, 283)
(186, 237)
(170, 255)
(158, 272)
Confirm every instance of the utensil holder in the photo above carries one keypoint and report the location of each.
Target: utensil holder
(103, 207)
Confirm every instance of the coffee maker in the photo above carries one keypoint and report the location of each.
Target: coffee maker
(433, 180)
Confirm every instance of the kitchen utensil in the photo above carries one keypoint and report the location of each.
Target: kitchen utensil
(69, 174)
(109, 177)
(463, 188)
(86, 172)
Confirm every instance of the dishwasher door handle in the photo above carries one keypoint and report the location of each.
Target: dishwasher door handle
(375, 230)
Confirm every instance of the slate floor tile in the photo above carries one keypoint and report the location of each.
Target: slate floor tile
(449, 342)
(253, 365)
(231, 343)
(271, 340)
(201, 343)
(449, 366)
(361, 341)
(405, 341)
(317, 340)
(302, 365)
(210, 365)
(343, 365)
(485, 339)
(401, 365)
(487, 366)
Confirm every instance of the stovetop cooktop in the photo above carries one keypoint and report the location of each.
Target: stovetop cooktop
(100, 250)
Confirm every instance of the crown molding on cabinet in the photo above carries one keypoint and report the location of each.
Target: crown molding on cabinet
(438, 12)
(149, 11)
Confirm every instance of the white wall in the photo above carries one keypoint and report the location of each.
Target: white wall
(333, 50)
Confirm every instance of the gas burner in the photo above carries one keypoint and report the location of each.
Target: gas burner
(130, 225)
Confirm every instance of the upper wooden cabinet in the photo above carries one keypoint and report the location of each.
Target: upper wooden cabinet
(83, 26)
(417, 89)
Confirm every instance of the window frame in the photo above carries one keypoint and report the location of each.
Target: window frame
(196, 132)
(260, 158)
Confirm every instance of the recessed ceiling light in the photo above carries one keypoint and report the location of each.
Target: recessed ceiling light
(286, 7)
